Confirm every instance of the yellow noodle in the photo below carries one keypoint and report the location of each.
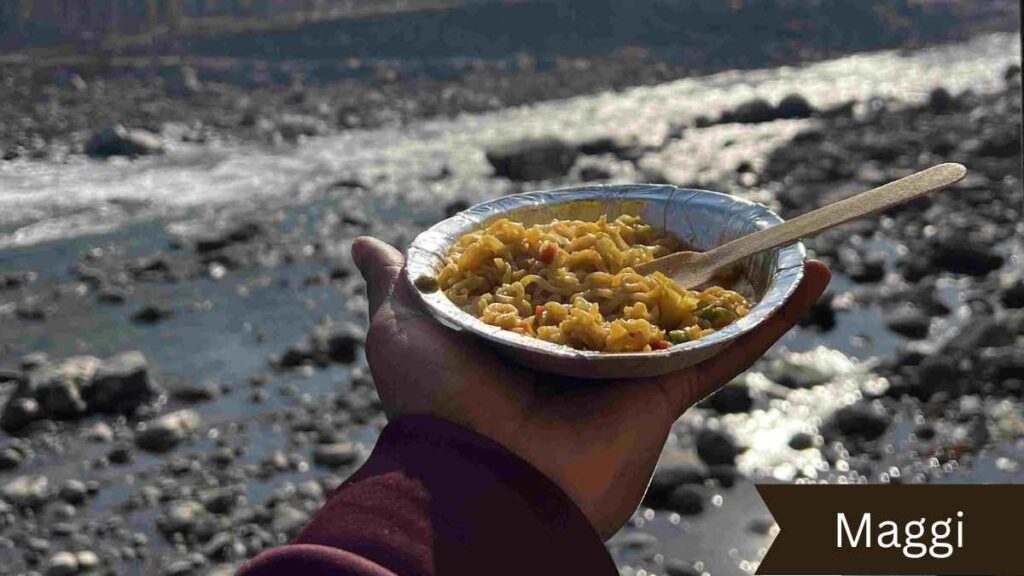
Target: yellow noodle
(571, 282)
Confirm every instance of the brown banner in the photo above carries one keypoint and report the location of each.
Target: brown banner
(895, 529)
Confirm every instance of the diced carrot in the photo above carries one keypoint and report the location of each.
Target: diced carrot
(660, 345)
(548, 253)
(538, 311)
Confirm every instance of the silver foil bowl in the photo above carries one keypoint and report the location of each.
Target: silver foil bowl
(700, 219)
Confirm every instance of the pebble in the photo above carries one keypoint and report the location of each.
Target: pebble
(686, 500)
(165, 432)
(61, 564)
(860, 420)
(731, 399)
(335, 455)
(716, 447)
(908, 320)
(73, 491)
(27, 491)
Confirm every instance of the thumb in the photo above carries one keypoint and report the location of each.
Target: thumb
(380, 265)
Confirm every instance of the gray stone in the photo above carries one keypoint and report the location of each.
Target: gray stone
(121, 384)
(181, 516)
(288, 520)
(116, 140)
(73, 491)
(532, 159)
(61, 564)
(335, 455)
(27, 491)
(716, 447)
(165, 432)
(18, 413)
(908, 320)
(339, 341)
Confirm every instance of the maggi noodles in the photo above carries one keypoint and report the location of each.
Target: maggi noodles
(571, 282)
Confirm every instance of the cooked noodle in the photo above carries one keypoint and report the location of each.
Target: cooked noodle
(572, 282)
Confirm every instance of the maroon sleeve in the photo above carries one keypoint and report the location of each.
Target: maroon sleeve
(437, 499)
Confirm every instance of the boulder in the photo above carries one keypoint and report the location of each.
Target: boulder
(794, 106)
(731, 399)
(532, 159)
(861, 420)
(338, 341)
(116, 140)
(717, 447)
(908, 320)
(27, 491)
(751, 112)
(121, 384)
(165, 432)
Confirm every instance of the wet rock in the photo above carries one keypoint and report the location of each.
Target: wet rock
(732, 398)
(33, 360)
(100, 432)
(288, 520)
(112, 295)
(687, 500)
(88, 561)
(338, 341)
(17, 279)
(191, 392)
(27, 491)
(1001, 142)
(220, 236)
(960, 256)
(335, 455)
(61, 564)
(182, 516)
(18, 413)
(57, 387)
(297, 355)
(669, 476)
(937, 373)
(940, 100)
(801, 441)
(725, 474)
(165, 432)
(72, 491)
(716, 447)
(822, 315)
(121, 384)
(455, 206)
(862, 420)
(9, 459)
(293, 126)
(116, 140)
(751, 112)
(121, 454)
(1013, 296)
(591, 172)
(151, 314)
(982, 332)
(532, 159)
(909, 321)
(794, 106)
(675, 567)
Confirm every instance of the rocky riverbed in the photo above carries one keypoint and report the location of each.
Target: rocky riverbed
(181, 388)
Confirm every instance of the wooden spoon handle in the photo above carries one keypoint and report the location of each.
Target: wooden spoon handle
(816, 221)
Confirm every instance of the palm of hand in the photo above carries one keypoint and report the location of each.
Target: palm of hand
(598, 440)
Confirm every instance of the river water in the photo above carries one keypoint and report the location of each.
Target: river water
(50, 213)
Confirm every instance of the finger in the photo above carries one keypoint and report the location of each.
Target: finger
(745, 351)
(380, 265)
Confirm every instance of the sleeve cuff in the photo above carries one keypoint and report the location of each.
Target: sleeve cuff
(437, 498)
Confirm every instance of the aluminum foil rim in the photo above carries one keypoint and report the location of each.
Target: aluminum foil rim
(429, 248)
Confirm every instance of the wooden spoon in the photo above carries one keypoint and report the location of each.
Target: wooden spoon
(691, 269)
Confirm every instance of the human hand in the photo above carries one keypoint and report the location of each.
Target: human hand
(598, 440)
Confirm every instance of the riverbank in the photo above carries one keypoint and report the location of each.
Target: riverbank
(181, 388)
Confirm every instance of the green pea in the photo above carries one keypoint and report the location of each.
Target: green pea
(426, 283)
(677, 336)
